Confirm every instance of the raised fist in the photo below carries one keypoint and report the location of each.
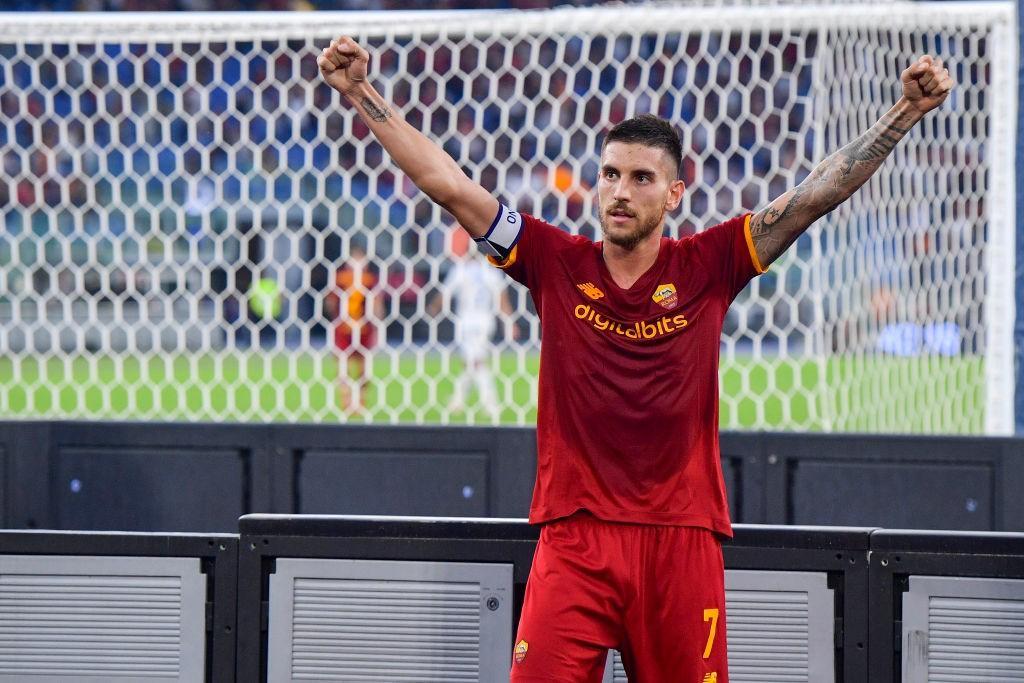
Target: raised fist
(343, 64)
(926, 83)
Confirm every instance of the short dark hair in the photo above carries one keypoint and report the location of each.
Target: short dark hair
(649, 130)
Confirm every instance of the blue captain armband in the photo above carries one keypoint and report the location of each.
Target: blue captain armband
(503, 234)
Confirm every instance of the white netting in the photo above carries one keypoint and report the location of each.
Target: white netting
(180, 193)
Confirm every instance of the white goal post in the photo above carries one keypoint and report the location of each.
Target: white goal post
(180, 193)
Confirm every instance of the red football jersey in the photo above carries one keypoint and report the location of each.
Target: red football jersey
(627, 422)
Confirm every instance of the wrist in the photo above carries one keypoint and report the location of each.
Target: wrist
(357, 92)
(907, 112)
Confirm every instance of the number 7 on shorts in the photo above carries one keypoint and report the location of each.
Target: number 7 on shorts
(711, 615)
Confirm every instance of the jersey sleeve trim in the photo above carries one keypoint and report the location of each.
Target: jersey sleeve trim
(750, 246)
(502, 236)
(507, 262)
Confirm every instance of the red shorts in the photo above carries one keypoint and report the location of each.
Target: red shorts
(655, 593)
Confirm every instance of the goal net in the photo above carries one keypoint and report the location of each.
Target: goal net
(184, 203)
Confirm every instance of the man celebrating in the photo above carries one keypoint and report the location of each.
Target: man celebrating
(629, 486)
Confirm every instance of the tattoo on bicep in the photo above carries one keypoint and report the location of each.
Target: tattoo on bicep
(775, 228)
(830, 184)
(375, 111)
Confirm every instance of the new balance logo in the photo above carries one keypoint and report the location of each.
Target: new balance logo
(711, 677)
(590, 290)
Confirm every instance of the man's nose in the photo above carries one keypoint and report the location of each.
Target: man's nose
(620, 191)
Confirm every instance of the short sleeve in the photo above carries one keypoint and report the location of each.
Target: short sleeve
(727, 250)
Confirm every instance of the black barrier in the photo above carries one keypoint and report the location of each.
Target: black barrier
(840, 553)
(877, 582)
(135, 476)
(434, 471)
(201, 478)
(265, 538)
(899, 556)
(218, 560)
(25, 474)
(131, 476)
(891, 481)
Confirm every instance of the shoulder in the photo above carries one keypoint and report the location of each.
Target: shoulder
(552, 238)
(732, 225)
(539, 240)
(714, 242)
(730, 248)
(539, 225)
(726, 232)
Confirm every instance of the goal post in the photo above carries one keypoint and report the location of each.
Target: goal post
(182, 198)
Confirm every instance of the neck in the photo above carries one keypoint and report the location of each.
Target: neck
(627, 265)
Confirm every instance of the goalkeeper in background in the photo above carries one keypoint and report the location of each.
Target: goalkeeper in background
(629, 488)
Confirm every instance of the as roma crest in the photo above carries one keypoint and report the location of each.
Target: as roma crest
(665, 295)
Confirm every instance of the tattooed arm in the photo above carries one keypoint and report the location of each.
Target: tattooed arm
(343, 66)
(926, 83)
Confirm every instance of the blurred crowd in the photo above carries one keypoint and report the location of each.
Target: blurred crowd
(280, 5)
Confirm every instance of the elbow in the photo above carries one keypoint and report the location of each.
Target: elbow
(447, 194)
(440, 187)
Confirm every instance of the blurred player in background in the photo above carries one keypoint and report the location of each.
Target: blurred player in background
(629, 483)
(357, 309)
(475, 292)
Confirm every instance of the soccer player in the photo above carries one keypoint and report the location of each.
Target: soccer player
(475, 292)
(629, 486)
(357, 310)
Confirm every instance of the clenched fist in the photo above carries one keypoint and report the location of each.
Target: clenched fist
(926, 83)
(343, 64)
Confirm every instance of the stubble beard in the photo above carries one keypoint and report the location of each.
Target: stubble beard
(630, 241)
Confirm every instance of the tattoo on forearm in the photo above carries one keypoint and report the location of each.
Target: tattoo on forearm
(830, 184)
(876, 143)
(375, 111)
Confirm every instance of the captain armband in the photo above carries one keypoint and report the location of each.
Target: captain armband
(503, 234)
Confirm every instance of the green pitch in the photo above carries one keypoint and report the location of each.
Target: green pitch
(927, 394)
